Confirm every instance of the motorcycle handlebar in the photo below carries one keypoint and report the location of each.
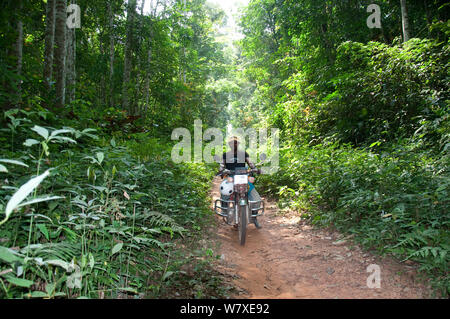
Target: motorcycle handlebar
(228, 172)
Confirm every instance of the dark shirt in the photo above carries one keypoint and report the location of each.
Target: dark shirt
(235, 160)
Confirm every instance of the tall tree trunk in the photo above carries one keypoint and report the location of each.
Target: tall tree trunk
(111, 54)
(427, 11)
(138, 107)
(18, 48)
(405, 22)
(74, 70)
(49, 40)
(147, 79)
(60, 52)
(102, 95)
(183, 64)
(385, 37)
(70, 63)
(131, 10)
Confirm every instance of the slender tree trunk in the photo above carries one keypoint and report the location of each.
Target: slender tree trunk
(18, 48)
(147, 79)
(385, 37)
(13, 86)
(74, 70)
(49, 40)
(184, 51)
(60, 52)
(128, 54)
(102, 93)
(322, 32)
(405, 22)
(70, 64)
(427, 11)
(111, 54)
(137, 107)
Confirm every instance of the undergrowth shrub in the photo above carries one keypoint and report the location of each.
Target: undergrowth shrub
(103, 220)
(394, 200)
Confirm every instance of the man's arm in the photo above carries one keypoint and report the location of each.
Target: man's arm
(222, 163)
(247, 159)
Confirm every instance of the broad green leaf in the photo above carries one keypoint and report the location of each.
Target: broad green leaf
(3, 169)
(74, 280)
(116, 248)
(58, 262)
(19, 271)
(30, 142)
(23, 192)
(10, 113)
(70, 233)
(13, 162)
(43, 230)
(41, 131)
(37, 294)
(86, 133)
(49, 288)
(100, 157)
(91, 261)
(39, 199)
(83, 261)
(167, 275)
(8, 256)
(19, 281)
(9, 187)
(45, 148)
(37, 215)
(61, 131)
(52, 206)
(91, 174)
(99, 188)
(64, 139)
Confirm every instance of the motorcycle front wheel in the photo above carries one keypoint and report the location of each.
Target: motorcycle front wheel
(242, 224)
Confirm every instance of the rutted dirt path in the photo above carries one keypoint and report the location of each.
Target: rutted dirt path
(290, 259)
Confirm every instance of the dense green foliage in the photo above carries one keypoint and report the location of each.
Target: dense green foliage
(116, 220)
(395, 201)
(364, 119)
(173, 47)
(91, 204)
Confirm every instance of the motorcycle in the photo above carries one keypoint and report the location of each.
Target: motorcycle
(238, 209)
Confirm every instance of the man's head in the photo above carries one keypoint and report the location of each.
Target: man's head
(233, 142)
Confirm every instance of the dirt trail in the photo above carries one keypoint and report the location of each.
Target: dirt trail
(290, 259)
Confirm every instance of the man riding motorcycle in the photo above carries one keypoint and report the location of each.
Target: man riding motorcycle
(236, 158)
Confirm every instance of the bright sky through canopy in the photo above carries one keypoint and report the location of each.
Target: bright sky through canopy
(231, 8)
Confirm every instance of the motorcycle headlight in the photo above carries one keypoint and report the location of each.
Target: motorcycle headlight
(230, 179)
